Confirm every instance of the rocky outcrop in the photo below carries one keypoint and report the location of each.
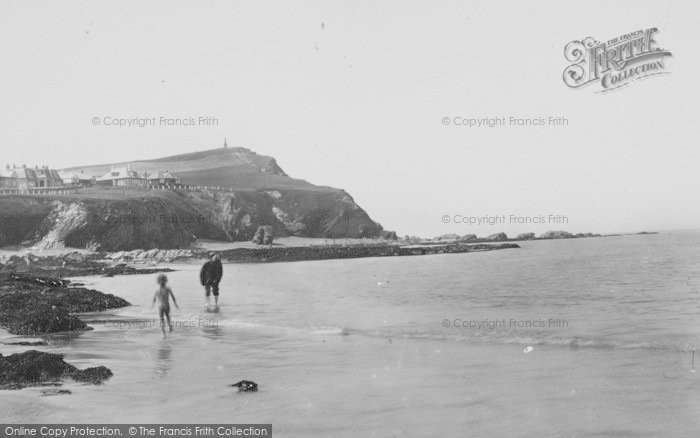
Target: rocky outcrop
(29, 343)
(31, 305)
(79, 264)
(557, 235)
(264, 235)
(149, 256)
(498, 237)
(50, 392)
(388, 235)
(468, 238)
(36, 368)
(380, 249)
(593, 234)
(449, 236)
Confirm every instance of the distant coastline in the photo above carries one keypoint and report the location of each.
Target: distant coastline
(503, 237)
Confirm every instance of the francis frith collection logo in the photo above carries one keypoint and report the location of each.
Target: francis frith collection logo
(616, 62)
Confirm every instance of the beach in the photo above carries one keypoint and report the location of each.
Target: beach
(361, 347)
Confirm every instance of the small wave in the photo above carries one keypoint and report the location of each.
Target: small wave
(573, 342)
(133, 315)
(282, 329)
(332, 330)
(583, 342)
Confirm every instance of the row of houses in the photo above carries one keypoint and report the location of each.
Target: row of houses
(124, 176)
(23, 178)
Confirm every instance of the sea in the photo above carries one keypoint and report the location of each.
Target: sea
(592, 337)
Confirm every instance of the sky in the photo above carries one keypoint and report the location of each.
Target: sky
(352, 95)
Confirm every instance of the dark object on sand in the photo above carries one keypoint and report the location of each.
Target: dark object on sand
(245, 386)
(36, 368)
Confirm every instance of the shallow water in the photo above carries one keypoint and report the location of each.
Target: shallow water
(360, 347)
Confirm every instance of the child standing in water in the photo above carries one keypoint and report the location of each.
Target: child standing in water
(163, 294)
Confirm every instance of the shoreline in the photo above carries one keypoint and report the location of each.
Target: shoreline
(74, 263)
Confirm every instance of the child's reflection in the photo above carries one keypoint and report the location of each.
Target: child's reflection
(164, 360)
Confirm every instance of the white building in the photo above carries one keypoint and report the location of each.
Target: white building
(121, 176)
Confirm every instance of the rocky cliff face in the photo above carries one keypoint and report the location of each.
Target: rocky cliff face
(110, 220)
(289, 212)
